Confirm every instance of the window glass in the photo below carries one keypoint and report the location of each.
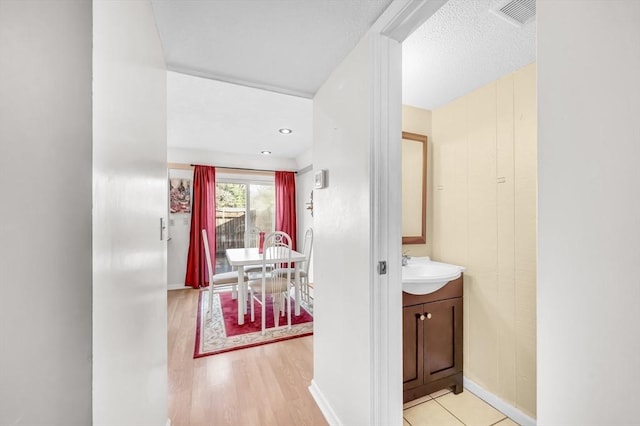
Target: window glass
(243, 208)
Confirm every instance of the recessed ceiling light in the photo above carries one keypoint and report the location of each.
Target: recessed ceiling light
(266, 152)
(285, 131)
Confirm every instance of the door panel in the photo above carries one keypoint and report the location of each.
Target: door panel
(129, 198)
(413, 348)
(443, 338)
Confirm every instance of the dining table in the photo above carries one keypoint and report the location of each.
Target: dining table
(242, 257)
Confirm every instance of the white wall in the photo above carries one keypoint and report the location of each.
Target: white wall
(130, 196)
(589, 182)
(304, 186)
(178, 231)
(342, 220)
(225, 159)
(45, 218)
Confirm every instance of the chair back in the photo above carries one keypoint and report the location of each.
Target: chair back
(207, 253)
(277, 253)
(308, 246)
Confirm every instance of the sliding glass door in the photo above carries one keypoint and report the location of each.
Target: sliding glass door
(231, 212)
(243, 208)
(262, 200)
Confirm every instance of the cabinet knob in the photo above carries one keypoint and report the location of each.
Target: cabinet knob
(426, 315)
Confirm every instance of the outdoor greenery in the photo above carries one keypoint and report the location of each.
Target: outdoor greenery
(231, 195)
(231, 198)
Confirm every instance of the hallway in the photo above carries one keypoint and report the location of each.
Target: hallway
(265, 385)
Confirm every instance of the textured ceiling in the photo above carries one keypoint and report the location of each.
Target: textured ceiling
(289, 46)
(461, 48)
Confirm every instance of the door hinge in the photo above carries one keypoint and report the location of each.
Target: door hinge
(382, 267)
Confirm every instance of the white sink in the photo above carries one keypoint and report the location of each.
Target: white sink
(424, 276)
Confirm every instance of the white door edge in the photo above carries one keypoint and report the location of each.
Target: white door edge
(398, 21)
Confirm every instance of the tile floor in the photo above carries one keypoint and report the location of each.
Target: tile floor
(443, 408)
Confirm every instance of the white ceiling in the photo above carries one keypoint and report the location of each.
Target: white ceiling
(292, 46)
(217, 116)
(289, 46)
(460, 48)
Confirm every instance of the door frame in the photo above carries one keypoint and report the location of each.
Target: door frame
(397, 22)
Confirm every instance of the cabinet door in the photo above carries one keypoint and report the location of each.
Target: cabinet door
(442, 339)
(412, 347)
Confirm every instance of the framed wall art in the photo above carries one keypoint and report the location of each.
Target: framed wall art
(179, 195)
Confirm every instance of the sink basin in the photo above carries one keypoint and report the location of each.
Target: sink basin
(426, 276)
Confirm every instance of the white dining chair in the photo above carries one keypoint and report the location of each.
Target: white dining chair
(277, 253)
(305, 294)
(253, 239)
(218, 282)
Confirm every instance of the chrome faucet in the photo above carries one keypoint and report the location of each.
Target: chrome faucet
(405, 259)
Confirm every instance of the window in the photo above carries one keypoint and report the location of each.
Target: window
(244, 206)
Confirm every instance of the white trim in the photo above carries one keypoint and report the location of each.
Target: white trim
(404, 17)
(329, 415)
(396, 22)
(386, 291)
(179, 286)
(239, 177)
(498, 403)
(239, 81)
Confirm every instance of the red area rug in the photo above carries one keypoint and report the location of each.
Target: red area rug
(223, 334)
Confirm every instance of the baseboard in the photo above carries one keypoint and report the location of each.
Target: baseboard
(328, 413)
(506, 408)
(176, 287)
(491, 399)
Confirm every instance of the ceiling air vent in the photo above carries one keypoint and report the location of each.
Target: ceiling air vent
(517, 12)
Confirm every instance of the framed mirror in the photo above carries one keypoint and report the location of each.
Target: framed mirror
(414, 188)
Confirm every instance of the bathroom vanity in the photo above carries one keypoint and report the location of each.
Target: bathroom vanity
(432, 340)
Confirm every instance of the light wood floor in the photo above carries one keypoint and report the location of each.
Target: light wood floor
(265, 385)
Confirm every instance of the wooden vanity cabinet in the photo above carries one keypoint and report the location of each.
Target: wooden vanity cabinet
(432, 341)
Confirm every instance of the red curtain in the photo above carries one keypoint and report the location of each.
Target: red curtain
(203, 216)
(286, 204)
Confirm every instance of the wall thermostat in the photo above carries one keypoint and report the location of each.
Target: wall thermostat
(319, 179)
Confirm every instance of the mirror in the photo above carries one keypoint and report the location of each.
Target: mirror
(414, 188)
